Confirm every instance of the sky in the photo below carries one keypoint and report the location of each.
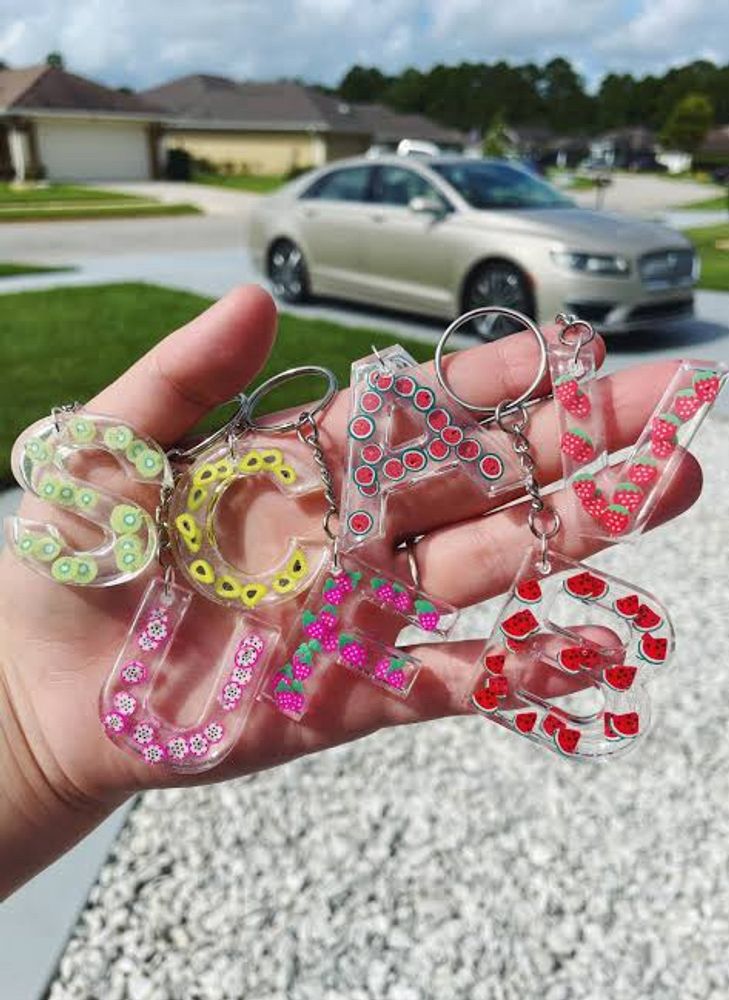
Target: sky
(141, 43)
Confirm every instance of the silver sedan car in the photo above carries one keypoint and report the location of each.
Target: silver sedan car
(444, 235)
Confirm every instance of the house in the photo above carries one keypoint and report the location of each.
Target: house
(624, 147)
(63, 127)
(276, 128)
(714, 150)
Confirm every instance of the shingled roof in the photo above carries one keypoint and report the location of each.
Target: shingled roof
(52, 89)
(214, 101)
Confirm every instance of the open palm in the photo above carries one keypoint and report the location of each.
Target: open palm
(59, 642)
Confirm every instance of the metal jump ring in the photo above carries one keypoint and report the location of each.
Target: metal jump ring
(579, 327)
(284, 426)
(226, 431)
(544, 533)
(491, 311)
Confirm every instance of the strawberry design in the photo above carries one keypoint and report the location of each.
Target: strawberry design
(351, 651)
(595, 505)
(706, 385)
(615, 519)
(664, 426)
(642, 472)
(428, 617)
(572, 399)
(383, 590)
(578, 445)
(663, 447)
(402, 601)
(628, 495)
(584, 486)
(686, 404)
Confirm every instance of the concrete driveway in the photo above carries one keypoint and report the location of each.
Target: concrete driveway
(648, 194)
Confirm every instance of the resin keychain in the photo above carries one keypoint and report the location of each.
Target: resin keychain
(51, 459)
(231, 650)
(573, 648)
(617, 501)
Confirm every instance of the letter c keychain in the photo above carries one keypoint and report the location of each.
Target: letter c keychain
(565, 666)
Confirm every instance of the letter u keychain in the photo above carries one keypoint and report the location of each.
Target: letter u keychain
(572, 649)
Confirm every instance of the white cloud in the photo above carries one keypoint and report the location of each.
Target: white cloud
(144, 42)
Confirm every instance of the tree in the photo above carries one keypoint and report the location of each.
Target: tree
(569, 109)
(688, 123)
(55, 59)
(496, 141)
(363, 83)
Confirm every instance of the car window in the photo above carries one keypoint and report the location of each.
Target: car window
(398, 186)
(486, 184)
(348, 184)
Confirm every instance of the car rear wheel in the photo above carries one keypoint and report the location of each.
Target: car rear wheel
(498, 283)
(287, 272)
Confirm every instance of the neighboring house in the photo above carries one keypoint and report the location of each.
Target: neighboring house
(63, 127)
(622, 147)
(714, 150)
(274, 128)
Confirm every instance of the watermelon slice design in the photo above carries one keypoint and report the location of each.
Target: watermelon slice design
(491, 467)
(369, 491)
(364, 475)
(360, 428)
(371, 402)
(586, 586)
(653, 649)
(495, 663)
(627, 607)
(394, 469)
(529, 592)
(608, 730)
(552, 722)
(424, 399)
(647, 620)
(620, 677)
(498, 685)
(405, 386)
(371, 454)
(525, 721)
(520, 625)
(469, 449)
(452, 434)
(485, 701)
(438, 450)
(438, 419)
(414, 460)
(360, 522)
(567, 740)
(626, 726)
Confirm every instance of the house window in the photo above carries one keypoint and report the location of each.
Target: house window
(348, 184)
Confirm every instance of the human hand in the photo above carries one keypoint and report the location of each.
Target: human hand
(59, 642)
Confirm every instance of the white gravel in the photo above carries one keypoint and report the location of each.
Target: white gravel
(451, 860)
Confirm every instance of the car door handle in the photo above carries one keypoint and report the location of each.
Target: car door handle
(378, 216)
(310, 213)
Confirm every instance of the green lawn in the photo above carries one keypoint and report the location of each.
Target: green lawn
(64, 344)
(712, 242)
(709, 204)
(263, 184)
(8, 270)
(68, 201)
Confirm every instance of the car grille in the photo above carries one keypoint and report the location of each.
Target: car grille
(667, 269)
(662, 310)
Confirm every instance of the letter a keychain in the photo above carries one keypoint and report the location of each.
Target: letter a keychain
(573, 649)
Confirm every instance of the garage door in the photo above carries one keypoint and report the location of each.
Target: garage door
(93, 151)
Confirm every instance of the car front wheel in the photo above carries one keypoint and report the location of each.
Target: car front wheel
(287, 272)
(497, 284)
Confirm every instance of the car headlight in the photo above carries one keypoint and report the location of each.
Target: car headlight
(608, 265)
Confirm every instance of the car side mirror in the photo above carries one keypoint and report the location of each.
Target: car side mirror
(426, 206)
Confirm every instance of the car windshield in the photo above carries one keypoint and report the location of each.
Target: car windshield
(499, 185)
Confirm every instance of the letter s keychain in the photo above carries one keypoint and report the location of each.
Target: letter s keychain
(573, 649)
